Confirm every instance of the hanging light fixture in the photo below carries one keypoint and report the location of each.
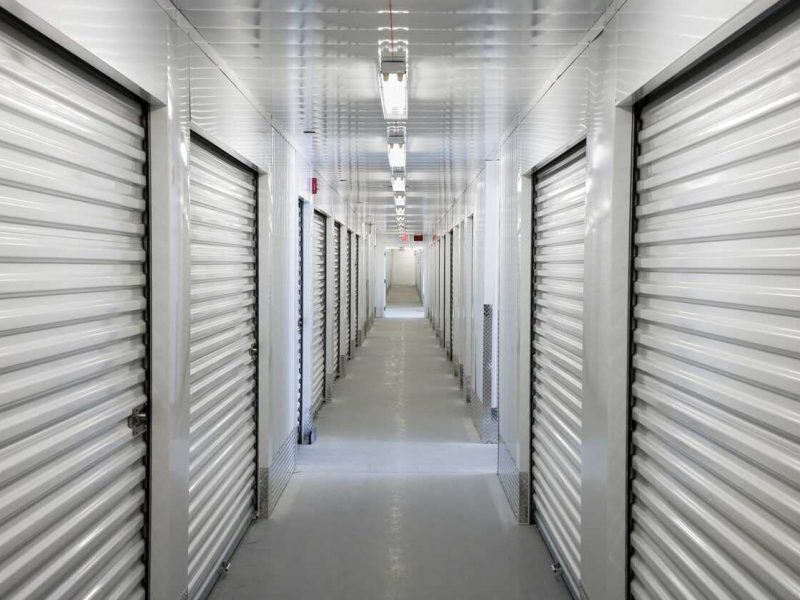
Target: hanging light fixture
(393, 79)
(396, 146)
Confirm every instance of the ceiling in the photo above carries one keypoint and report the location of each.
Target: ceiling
(473, 67)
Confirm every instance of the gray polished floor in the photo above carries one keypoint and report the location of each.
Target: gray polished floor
(397, 499)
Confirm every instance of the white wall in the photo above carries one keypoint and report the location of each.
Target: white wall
(403, 267)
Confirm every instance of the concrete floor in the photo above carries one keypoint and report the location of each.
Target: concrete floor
(397, 499)
(402, 302)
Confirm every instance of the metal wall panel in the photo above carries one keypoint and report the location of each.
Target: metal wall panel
(716, 364)
(73, 351)
(337, 291)
(559, 215)
(318, 355)
(222, 371)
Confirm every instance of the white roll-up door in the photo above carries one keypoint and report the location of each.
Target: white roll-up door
(357, 299)
(222, 370)
(559, 212)
(348, 291)
(449, 295)
(73, 330)
(318, 354)
(303, 425)
(716, 365)
(337, 290)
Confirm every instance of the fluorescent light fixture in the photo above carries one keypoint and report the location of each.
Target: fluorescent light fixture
(393, 80)
(400, 211)
(400, 199)
(398, 181)
(396, 146)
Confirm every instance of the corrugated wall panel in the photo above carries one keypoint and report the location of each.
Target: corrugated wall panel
(222, 361)
(73, 352)
(559, 217)
(716, 364)
(318, 354)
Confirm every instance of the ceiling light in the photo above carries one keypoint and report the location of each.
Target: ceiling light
(400, 211)
(393, 80)
(400, 199)
(396, 146)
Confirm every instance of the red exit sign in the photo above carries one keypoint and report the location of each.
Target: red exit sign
(418, 237)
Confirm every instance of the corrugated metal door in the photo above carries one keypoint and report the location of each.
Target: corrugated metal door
(442, 278)
(337, 290)
(450, 296)
(440, 285)
(346, 297)
(350, 285)
(318, 354)
(222, 371)
(301, 426)
(358, 288)
(73, 331)
(716, 364)
(559, 213)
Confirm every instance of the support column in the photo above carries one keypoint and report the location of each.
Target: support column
(169, 315)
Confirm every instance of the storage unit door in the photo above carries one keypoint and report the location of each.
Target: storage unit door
(559, 211)
(357, 311)
(716, 364)
(73, 353)
(346, 297)
(337, 290)
(299, 340)
(318, 354)
(222, 370)
(350, 292)
(450, 295)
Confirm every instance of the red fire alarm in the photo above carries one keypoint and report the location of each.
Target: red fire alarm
(313, 185)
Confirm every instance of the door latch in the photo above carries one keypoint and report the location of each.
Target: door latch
(137, 421)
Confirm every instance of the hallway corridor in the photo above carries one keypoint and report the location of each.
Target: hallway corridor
(397, 499)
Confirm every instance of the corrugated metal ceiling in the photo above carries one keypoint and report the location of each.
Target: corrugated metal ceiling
(473, 67)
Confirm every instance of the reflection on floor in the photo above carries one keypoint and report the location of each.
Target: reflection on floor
(403, 302)
(397, 499)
